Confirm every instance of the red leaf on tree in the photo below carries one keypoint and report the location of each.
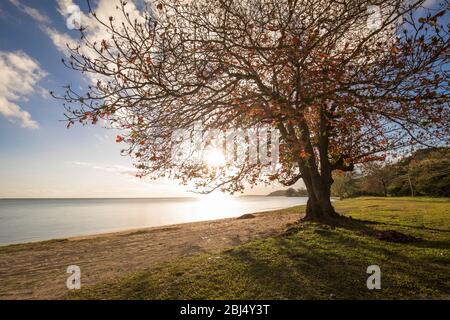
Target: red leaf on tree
(303, 154)
(296, 41)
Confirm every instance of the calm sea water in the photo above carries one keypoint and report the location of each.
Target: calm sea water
(43, 219)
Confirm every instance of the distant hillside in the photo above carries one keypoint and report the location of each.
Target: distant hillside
(426, 172)
(291, 192)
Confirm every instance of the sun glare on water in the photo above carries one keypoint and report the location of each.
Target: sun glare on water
(216, 205)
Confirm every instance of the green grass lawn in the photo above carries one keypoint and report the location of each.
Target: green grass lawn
(313, 261)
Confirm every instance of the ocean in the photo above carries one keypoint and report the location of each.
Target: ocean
(25, 220)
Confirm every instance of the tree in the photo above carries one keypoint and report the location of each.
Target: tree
(377, 177)
(340, 91)
(344, 184)
(432, 174)
(426, 172)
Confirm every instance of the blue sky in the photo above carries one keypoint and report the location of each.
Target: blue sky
(39, 157)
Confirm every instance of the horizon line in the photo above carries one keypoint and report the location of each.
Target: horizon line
(123, 198)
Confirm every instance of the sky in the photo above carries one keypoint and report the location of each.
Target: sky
(39, 157)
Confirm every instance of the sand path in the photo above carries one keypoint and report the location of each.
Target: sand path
(38, 270)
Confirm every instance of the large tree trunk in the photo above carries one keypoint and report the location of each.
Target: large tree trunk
(316, 174)
(319, 207)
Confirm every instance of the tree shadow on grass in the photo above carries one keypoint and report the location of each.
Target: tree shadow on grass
(413, 227)
(342, 267)
(313, 261)
(297, 269)
(373, 228)
(302, 274)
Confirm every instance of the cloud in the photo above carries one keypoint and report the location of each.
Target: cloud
(18, 79)
(93, 30)
(429, 3)
(103, 138)
(124, 170)
(32, 12)
(70, 11)
(103, 10)
(59, 39)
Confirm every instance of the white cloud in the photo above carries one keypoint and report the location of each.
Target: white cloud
(32, 12)
(59, 39)
(18, 79)
(103, 10)
(124, 170)
(429, 3)
(69, 10)
(93, 30)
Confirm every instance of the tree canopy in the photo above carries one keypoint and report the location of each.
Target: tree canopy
(341, 88)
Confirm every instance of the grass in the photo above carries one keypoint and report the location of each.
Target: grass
(313, 261)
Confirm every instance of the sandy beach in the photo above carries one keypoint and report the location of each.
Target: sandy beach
(38, 270)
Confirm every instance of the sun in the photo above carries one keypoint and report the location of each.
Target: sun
(214, 158)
